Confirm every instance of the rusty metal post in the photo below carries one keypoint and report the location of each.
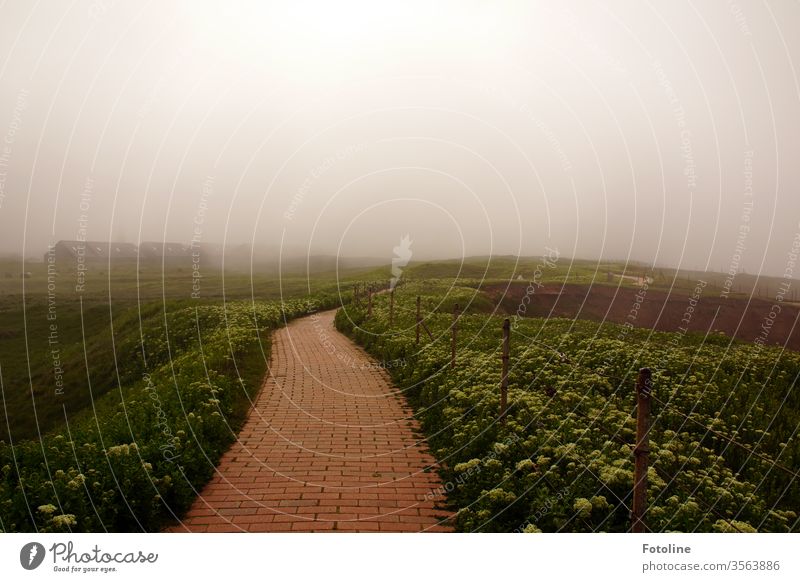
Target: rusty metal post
(644, 387)
(419, 318)
(504, 373)
(453, 333)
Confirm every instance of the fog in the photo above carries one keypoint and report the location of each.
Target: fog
(665, 133)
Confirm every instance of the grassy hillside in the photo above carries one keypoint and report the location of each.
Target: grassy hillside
(103, 390)
(723, 444)
(60, 349)
(554, 268)
(135, 456)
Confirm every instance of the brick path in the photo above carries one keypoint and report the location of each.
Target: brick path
(329, 446)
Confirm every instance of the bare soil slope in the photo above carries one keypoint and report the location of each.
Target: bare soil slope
(735, 316)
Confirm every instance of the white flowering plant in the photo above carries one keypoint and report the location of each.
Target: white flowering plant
(566, 441)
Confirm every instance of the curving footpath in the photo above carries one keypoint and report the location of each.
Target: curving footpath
(329, 445)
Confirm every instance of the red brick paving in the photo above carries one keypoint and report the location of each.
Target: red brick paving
(330, 445)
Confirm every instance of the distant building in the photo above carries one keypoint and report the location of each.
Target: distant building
(103, 251)
(168, 252)
(69, 253)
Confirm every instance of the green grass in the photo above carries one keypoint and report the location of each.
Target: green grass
(562, 461)
(107, 313)
(156, 384)
(125, 315)
(134, 457)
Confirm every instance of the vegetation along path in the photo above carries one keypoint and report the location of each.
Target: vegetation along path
(329, 445)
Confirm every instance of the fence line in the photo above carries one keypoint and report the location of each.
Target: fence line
(504, 373)
(641, 452)
(453, 336)
(644, 395)
(621, 381)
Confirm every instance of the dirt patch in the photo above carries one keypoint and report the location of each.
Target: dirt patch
(702, 311)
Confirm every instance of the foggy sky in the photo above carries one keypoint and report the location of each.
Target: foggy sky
(662, 132)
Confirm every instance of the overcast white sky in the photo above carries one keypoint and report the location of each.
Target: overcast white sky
(604, 129)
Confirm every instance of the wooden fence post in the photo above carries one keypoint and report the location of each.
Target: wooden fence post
(419, 319)
(504, 373)
(369, 301)
(453, 329)
(391, 306)
(644, 387)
